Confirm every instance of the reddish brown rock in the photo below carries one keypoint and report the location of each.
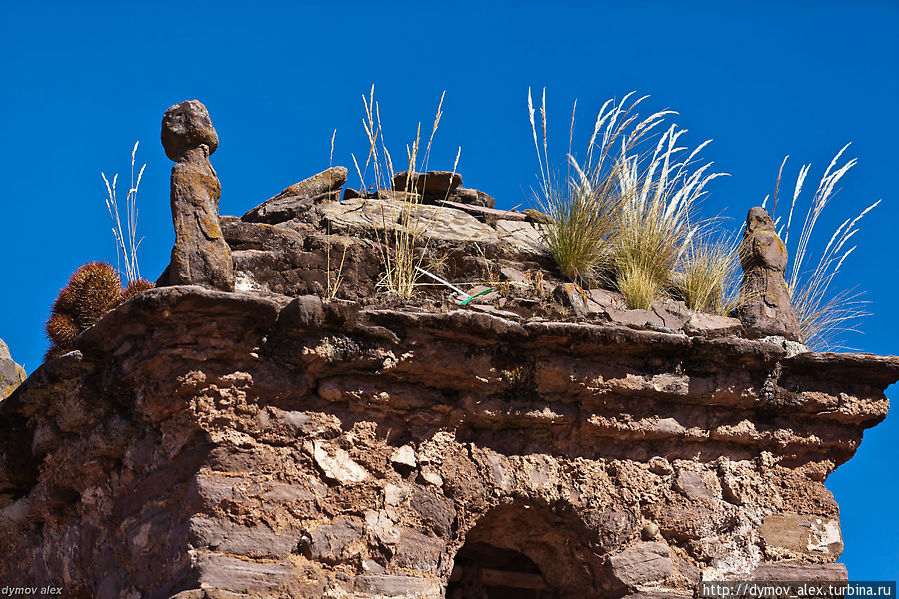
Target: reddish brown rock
(200, 255)
(431, 182)
(765, 306)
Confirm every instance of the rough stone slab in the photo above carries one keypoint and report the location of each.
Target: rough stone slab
(487, 212)
(644, 562)
(789, 535)
(184, 302)
(523, 236)
(793, 571)
(400, 586)
(337, 541)
(429, 182)
(711, 325)
(472, 197)
(692, 483)
(226, 573)
(331, 179)
(255, 540)
(437, 222)
(284, 208)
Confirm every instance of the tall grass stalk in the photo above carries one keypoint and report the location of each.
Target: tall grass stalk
(127, 243)
(402, 249)
(823, 315)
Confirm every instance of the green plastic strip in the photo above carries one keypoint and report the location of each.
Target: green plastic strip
(471, 297)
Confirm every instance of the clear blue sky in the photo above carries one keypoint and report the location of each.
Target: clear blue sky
(82, 82)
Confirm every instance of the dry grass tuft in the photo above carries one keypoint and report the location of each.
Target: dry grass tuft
(636, 283)
(629, 211)
(709, 275)
(404, 242)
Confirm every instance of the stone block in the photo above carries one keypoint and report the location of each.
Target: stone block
(641, 563)
(793, 535)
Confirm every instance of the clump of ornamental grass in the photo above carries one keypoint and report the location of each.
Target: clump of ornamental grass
(585, 208)
(824, 315)
(657, 221)
(404, 243)
(94, 289)
(629, 210)
(708, 274)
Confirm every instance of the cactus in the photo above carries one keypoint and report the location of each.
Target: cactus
(93, 290)
(61, 329)
(135, 287)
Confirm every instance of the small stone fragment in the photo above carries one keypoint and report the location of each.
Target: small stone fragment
(372, 567)
(472, 197)
(571, 295)
(659, 465)
(337, 465)
(649, 531)
(404, 458)
(538, 217)
(431, 477)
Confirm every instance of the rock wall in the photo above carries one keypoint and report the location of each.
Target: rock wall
(204, 443)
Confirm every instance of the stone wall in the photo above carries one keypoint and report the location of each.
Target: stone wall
(204, 443)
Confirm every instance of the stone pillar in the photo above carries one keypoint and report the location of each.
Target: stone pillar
(200, 256)
(765, 306)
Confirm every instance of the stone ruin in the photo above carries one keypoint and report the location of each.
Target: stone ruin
(287, 439)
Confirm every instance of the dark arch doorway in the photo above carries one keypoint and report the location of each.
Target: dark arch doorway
(483, 571)
(524, 551)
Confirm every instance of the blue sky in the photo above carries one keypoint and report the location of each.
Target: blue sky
(82, 82)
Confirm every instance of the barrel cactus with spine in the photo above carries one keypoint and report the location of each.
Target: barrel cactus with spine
(92, 290)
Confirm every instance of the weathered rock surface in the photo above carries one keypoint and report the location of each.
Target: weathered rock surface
(765, 307)
(296, 200)
(250, 444)
(11, 374)
(200, 255)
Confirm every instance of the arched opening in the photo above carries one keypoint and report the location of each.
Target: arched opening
(482, 571)
(522, 551)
